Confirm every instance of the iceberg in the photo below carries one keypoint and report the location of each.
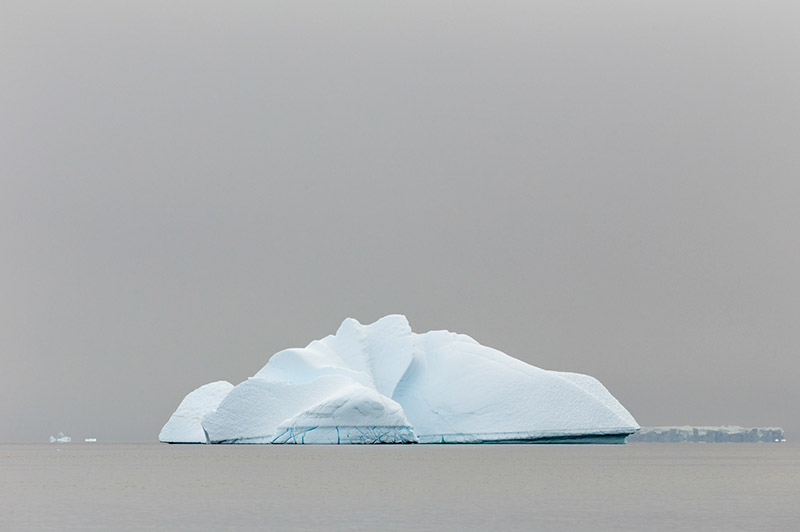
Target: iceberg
(714, 434)
(60, 438)
(383, 383)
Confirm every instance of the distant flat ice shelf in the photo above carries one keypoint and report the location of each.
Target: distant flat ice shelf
(383, 383)
(720, 434)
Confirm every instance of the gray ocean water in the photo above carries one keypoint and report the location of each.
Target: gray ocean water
(623, 487)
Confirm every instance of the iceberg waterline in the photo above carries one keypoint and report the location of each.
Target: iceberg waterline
(383, 383)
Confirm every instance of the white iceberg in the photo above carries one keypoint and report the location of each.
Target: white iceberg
(713, 434)
(382, 383)
(60, 438)
(184, 424)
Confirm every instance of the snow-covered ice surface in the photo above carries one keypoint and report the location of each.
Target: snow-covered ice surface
(460, 391)
(264, 411)
(356, 415)
(382, 383)
(184, 425)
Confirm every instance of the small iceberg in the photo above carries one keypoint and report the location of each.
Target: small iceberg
(60, 438)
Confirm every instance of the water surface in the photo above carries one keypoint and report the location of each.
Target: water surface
(544, 487)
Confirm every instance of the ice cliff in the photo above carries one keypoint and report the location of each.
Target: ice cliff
(382, 383)
(184, 424)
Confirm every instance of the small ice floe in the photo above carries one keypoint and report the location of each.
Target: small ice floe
(90, 440)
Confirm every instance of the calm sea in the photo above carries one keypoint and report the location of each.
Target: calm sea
(583, 487)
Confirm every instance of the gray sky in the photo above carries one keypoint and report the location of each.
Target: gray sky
(610, 188)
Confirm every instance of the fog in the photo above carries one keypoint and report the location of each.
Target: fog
(187, 188)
